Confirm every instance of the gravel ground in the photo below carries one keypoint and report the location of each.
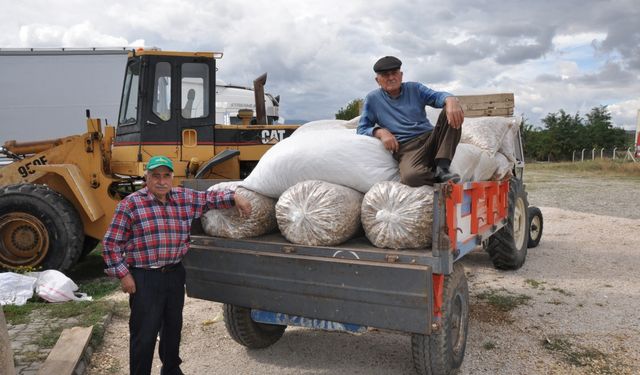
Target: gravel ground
(577, 300)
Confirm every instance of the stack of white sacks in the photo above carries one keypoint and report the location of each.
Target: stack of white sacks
(325, 182)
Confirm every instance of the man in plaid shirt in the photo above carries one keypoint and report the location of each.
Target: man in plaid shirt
(144, 246)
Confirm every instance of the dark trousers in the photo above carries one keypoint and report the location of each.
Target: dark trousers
(156, 307)
(417, 158)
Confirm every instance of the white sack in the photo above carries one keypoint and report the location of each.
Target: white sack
(508, 147)
(16, 289)
(318, 213)
(339, 156)
(54, 286)
(228, 223)
(485, 168)
(504, 167)
(398, 216)
(465, 161)
(320, 125)
(486, 132)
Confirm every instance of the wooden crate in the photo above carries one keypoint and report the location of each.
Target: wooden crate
(487, 105)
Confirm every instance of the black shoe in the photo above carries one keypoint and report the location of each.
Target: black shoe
(444, 175)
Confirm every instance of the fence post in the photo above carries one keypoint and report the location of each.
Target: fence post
(582, 157)
(593, 153)
(602, 153)
(614, 153)
(573, 156)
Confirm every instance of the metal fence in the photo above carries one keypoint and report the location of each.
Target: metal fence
(602, 153)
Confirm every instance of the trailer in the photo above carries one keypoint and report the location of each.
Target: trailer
(267, 283)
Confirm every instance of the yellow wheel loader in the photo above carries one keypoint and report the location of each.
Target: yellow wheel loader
(57, 196)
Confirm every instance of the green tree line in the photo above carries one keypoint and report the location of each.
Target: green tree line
(560, 134)
(563, 133)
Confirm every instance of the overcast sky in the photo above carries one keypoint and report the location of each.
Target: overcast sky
(572, 55)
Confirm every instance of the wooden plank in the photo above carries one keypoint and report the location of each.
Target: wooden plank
(487, 105)
(6, 354)
(66, 354)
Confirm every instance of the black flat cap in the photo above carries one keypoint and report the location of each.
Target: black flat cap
(387, 63)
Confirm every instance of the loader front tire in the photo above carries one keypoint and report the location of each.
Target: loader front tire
(508, 246)
(442, 352)
(246, 332)
(39, 229)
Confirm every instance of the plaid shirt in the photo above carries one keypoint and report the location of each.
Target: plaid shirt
(147, 233)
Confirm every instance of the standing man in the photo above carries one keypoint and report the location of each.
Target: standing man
(395, 114)
(144, 246)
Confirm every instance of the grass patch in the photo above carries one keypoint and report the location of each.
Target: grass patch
(489, 345)
(504, 301)
(576, 355)
(535, 284)
(562, 291)
(598, 167)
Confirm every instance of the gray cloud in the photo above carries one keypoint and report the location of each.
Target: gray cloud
(318, 54)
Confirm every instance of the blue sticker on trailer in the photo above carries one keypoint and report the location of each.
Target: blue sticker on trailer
(283, 319)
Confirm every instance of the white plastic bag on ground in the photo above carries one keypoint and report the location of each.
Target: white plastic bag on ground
(228, 223)
(486, 132)
(16, 289)
(339, 156)
(54, 286)
(319, 213)
(398, 216)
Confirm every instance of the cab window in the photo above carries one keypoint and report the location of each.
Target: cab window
(195, 90)
(162, 91)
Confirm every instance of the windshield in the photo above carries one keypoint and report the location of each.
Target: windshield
(129, 104)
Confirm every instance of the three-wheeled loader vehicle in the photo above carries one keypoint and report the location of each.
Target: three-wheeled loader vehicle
(58, 196)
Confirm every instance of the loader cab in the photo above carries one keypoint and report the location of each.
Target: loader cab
(167, 108)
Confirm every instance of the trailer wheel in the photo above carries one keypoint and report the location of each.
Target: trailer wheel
(443, 352)
(39, 228)
(508, 246)
(535, 226)
(248, 333)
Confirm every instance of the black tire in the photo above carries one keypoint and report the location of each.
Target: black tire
(89, 244)
(442, 352)
(535, 226)
(248, 333)
(508, 246)
(39, 228)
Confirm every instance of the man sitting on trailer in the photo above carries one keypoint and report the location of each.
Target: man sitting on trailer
(144, 246)
(395, 114)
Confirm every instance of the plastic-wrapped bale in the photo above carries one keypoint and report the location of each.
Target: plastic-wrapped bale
(319, 213)
(228, 223)
(486, 132)
(398, 216)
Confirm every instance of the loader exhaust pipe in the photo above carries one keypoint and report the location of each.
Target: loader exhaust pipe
(258, 90)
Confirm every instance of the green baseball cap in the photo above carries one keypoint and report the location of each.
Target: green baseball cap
(159, 161)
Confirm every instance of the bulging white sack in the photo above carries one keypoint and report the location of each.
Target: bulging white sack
(319, 213)
(486, 133)
(228, 223)
(398, 216)
(465, 160)
(339, 156)
(508, 147)
(504, 167)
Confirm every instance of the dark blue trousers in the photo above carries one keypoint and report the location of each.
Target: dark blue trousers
(156, 308)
